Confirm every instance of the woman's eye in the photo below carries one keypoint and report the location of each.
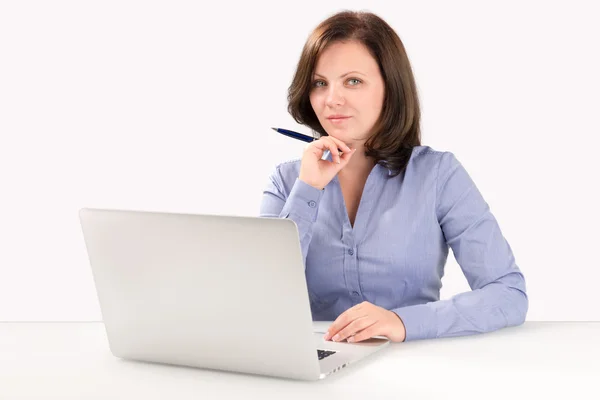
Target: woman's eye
(316, 83)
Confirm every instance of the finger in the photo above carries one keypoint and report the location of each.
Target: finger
(333, 148)
(347, 155)
(367, 333)
(335, 152)
(318, 147)
(317, 144)
(342, 146)
(342, 320)
(354, 327)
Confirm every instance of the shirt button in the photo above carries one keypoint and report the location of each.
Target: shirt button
(312, 203)
(351, 252)
(354, 293)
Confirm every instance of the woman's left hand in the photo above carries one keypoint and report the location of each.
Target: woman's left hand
(365, 320)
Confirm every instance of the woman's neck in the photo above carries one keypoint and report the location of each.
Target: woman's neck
(358, 167)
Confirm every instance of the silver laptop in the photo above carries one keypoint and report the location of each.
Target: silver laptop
(210, 291)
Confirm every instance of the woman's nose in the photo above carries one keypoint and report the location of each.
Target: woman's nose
(334, 97)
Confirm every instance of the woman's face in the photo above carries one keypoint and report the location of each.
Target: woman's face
(347, 82)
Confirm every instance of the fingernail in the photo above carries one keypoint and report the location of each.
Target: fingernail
(336, 338)
(351, 339)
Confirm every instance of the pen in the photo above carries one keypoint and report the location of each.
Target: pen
(300, 136)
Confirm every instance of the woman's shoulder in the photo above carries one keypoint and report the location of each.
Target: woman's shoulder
(284, 173)
(426, 152)
(289, 167)
(424, 159)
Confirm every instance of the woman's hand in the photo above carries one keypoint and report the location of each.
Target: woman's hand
(365, 320)
(318, 173)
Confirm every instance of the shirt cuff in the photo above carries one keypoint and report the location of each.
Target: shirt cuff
(419, 321)
(303, 201)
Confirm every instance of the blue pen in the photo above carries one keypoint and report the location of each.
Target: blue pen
(304, 138)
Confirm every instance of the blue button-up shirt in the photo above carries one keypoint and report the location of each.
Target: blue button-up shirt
(395, 253)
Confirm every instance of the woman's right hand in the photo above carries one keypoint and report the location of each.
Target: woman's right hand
(318, 173)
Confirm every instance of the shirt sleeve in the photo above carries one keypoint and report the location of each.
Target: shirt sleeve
(301, 206)
(498, 297)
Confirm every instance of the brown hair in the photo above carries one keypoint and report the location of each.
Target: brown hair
(397, 130)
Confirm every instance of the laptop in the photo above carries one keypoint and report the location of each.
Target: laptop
(218, 292)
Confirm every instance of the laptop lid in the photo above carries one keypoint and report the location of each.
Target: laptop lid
(212, 291)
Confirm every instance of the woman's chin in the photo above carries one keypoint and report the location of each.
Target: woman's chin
(340, 134)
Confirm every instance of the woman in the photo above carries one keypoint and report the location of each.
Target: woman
(376, 218)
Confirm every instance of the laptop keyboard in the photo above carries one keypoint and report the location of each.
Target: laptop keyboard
(324, 353)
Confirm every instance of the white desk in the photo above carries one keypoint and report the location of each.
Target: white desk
(72, 361)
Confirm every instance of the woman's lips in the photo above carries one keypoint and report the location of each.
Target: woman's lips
(338, 120)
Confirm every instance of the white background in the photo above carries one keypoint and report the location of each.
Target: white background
(167, 106)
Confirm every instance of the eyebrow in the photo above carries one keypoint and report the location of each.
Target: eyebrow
(341, 76)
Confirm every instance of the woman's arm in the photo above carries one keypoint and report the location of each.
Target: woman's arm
(301, 206)
(498, 298)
